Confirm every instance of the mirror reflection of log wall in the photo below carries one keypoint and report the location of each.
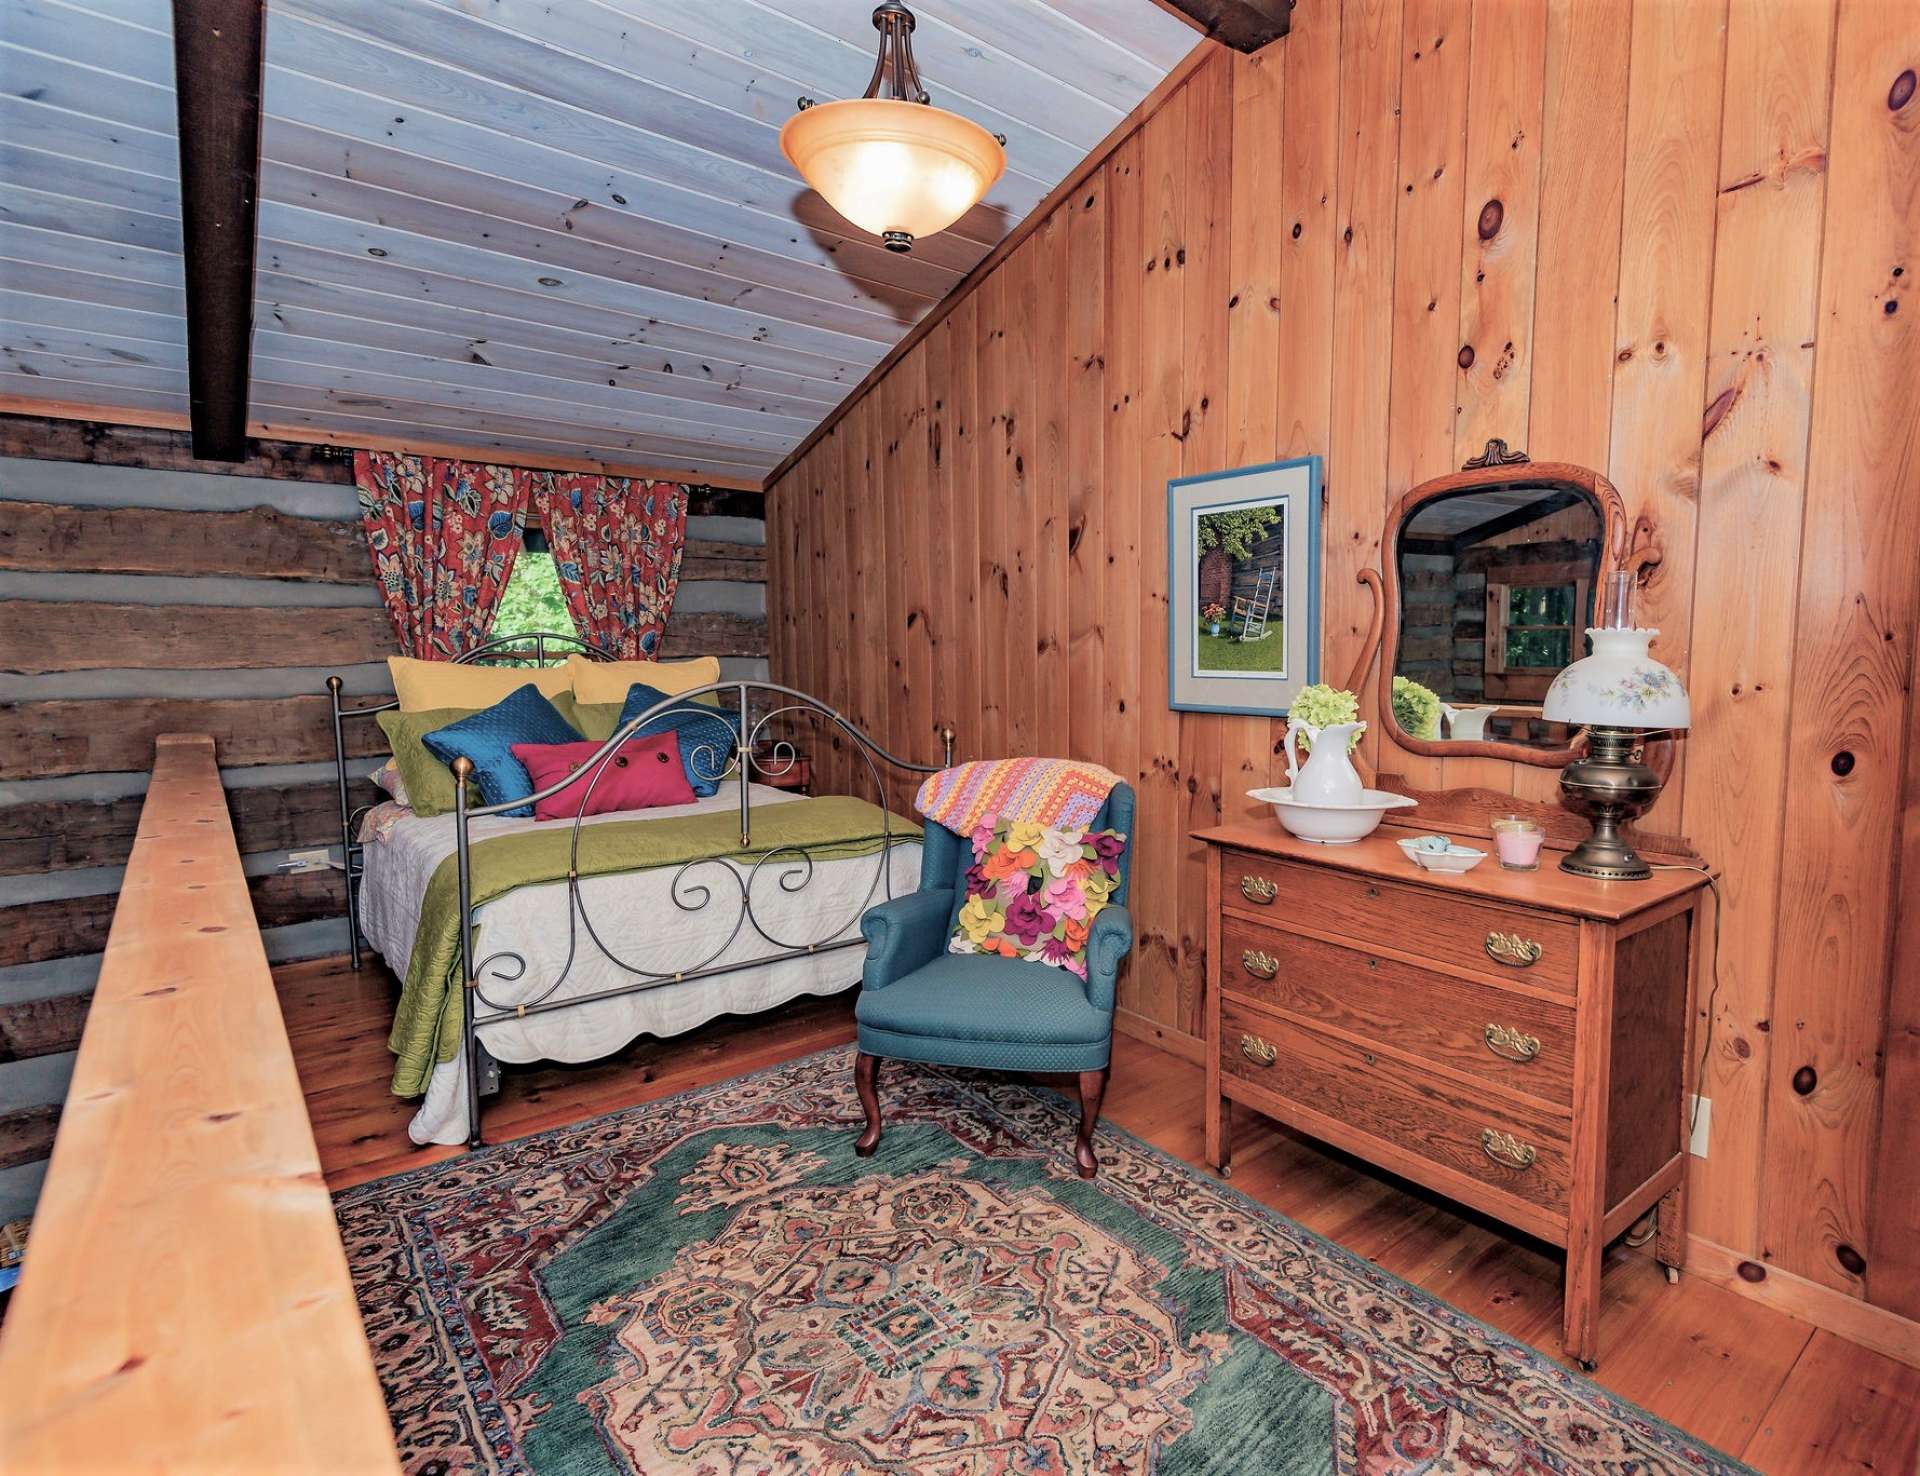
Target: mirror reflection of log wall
(141, 593)
(1408, 227)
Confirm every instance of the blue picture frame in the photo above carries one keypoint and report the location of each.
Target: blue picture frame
(1295, 486)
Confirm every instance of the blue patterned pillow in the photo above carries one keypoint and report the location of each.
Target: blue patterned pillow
(487, 737)
(707, 737)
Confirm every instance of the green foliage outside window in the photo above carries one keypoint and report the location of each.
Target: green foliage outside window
(532, 602)
(1236, 531)
(1540, 626)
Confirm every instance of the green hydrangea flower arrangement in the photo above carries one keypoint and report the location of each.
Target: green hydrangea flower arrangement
(1415, 709)
(1325, 706)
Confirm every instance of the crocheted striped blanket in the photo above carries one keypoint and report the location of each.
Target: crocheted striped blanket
(1063, 793)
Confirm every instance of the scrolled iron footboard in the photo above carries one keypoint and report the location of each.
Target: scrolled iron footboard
(758, 745)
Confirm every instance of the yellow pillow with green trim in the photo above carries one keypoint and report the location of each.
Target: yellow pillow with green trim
(424, 686)
(607, 681)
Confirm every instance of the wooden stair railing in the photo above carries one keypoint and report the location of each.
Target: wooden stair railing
(185, 1304)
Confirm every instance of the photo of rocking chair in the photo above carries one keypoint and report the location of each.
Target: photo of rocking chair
(1251, 610)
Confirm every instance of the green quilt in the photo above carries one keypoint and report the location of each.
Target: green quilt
(427, 1024)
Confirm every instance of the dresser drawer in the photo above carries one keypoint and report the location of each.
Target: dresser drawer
(1516, 1040)
(1508, 1148)
(1462, 932)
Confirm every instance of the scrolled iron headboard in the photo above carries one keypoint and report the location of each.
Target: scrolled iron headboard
(549, 647)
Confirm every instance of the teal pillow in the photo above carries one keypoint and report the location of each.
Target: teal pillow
(487, 737)
(706, 740)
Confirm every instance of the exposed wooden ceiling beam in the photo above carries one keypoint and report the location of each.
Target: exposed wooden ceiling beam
(299, 435)
(1245, 25)
(217, 51)
(1519, 517)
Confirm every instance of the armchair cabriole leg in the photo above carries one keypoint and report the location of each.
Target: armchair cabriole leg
(866, 1081)
(1093, 1086)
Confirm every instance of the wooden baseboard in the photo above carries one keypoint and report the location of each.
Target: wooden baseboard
(1186, 1047)
(1844, 1316)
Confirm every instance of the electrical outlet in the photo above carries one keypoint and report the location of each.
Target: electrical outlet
(1700, 1114)
(320, 860)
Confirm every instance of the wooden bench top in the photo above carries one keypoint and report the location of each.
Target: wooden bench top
(185, 1304)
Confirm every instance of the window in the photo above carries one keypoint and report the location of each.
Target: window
(1539, 626)
(1533, 629)
(533, 602)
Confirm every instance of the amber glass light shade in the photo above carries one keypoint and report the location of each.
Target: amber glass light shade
(898, 169)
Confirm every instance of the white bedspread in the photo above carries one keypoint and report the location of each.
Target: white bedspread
(636, 916)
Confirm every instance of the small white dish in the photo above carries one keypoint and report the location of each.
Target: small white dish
(1452, 861)
(1331, 825)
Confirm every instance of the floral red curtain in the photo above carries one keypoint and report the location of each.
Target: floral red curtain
(443, 535)
(617, 543)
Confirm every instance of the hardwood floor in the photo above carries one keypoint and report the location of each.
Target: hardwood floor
(1755, 1382)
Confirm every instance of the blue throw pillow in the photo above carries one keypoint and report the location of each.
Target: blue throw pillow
(707, 736)
(487, 737)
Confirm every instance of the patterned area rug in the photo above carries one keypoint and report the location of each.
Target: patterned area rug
(715, 1284)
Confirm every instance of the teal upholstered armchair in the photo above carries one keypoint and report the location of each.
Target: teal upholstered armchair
(921, 1003)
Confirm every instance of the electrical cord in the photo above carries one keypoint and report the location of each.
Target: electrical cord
(1713, 989)
(1649, 1226)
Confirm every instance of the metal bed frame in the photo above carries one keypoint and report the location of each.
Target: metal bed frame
(793, 866)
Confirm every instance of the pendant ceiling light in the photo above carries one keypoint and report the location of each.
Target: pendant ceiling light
(896, 166)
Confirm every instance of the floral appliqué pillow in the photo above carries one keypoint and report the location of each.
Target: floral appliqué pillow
(1033, 892)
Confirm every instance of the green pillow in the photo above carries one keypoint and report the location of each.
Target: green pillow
(429, 782)
(595, 720)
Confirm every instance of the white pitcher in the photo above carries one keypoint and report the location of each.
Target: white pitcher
(1467, 724)
(1328, 777)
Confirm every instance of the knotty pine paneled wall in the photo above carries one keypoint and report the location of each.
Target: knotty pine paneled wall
(142, 592)
(1673, 240)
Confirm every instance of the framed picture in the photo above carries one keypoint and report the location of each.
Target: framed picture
(1243, 587)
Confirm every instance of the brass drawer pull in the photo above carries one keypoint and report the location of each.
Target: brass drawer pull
(1513, 950)
(1258, 889)
(1260, 1052)
(1511, 1044)
(1260, 965)
(1504, 1148)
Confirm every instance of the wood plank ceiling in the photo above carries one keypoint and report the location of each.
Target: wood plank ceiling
(521, 228)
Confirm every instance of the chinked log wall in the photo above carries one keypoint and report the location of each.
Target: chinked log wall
(142, 592)
(1674, 240)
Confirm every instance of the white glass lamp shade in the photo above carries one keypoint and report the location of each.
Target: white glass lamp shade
(1619, 686)
(895, 168)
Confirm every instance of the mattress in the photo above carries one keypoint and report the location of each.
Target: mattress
(667, 919)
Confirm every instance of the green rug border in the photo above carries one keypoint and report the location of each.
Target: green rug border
(1352, 1260)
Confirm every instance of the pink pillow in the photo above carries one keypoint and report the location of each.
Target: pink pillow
(643, 774)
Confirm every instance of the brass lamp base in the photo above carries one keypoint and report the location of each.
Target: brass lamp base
(1612, 788)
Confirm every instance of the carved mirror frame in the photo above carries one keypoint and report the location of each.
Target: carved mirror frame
(1498, 467)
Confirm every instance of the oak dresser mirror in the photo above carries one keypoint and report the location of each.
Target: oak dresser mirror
(1490, 579)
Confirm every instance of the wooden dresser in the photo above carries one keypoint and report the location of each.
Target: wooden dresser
(1516, 1040)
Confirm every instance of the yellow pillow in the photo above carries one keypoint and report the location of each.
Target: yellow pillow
(423, 686)
(607, 681)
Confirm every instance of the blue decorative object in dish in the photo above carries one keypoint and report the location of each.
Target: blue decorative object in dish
(1447, 857)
